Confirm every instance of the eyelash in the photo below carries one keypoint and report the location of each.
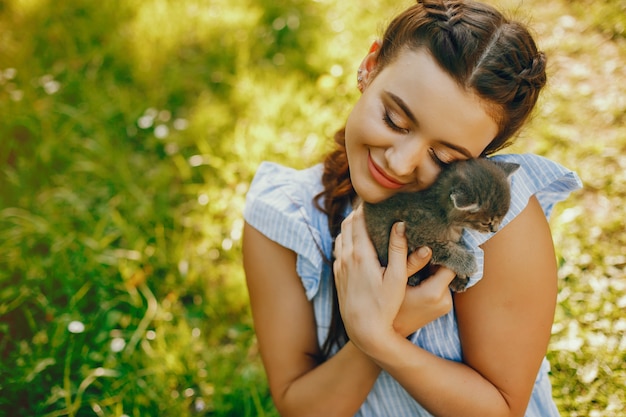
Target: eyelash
(437, 160)
(389, 122)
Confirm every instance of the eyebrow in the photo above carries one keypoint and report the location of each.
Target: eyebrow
(410, 115)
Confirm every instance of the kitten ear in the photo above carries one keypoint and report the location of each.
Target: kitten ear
(459, 204)
(509, 168)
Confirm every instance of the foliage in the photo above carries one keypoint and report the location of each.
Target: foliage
(130, 133)
(581, 124)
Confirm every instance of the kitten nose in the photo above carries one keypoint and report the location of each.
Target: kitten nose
(493, 227)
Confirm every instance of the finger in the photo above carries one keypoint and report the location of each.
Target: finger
(418, 259)
(397, 252)
(434, 286)
(359, 226)
(346, 224)
(346, 232)
(337, 246)
(433, 291)
(440, 280)
(363, 246)
(337, 263)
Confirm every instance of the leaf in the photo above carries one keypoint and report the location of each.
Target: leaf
(39, 368)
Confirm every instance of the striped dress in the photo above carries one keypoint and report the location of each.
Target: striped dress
(279, 204)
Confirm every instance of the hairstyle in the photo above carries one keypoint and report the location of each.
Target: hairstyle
(483, 51)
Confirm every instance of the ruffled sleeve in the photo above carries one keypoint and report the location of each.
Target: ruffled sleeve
(548, 181)
(279, 205)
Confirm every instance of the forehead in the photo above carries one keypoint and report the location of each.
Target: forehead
(444, 110)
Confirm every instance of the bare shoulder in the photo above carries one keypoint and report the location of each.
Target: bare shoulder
(283, 316)
(505, 320)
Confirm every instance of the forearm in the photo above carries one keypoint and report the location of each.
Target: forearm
(445, 388)
(336, 387)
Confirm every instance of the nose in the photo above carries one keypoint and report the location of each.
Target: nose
(406, 156)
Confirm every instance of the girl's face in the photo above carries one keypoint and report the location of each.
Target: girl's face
(411, 120)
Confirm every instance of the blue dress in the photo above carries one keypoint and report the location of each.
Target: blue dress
(279, 204)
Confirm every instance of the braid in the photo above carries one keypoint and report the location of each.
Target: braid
(446, 13)
(333, 200)
(512, 81)
(338, 190)
(481, 50)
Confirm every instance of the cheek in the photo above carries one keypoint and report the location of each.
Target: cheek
(355, 122)
(428, 173)
(356, 136)
(365, 117)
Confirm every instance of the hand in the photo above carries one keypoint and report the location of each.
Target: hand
(371, 296)
(425, 302)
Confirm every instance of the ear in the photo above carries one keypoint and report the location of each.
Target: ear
(367, 69)
(509, 168)
(459, 204)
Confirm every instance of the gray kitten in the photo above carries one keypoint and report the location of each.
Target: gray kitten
(472, 194)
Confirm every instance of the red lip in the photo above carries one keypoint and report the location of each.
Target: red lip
(380, 176)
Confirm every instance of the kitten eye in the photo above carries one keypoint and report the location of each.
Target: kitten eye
(486, 225)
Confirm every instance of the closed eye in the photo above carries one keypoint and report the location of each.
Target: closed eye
(391, 124)
(442, 157)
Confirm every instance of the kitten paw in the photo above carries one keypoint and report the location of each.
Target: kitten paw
(419, 276)
(459, 283)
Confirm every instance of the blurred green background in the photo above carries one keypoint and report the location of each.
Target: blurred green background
(130, 131)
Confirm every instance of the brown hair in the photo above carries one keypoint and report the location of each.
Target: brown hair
(483, 51)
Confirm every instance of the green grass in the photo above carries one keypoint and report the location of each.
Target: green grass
(130, 132)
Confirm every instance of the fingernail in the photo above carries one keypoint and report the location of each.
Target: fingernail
(423, 251)
(400, 228)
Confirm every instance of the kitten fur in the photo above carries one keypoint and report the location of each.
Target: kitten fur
(472, 194)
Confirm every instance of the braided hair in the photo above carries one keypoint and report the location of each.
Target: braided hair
(484, 52)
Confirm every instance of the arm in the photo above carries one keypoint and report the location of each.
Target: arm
(504, 323)
(508, 316)
(286, 332)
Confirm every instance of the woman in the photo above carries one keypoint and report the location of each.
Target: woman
(450, 80)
